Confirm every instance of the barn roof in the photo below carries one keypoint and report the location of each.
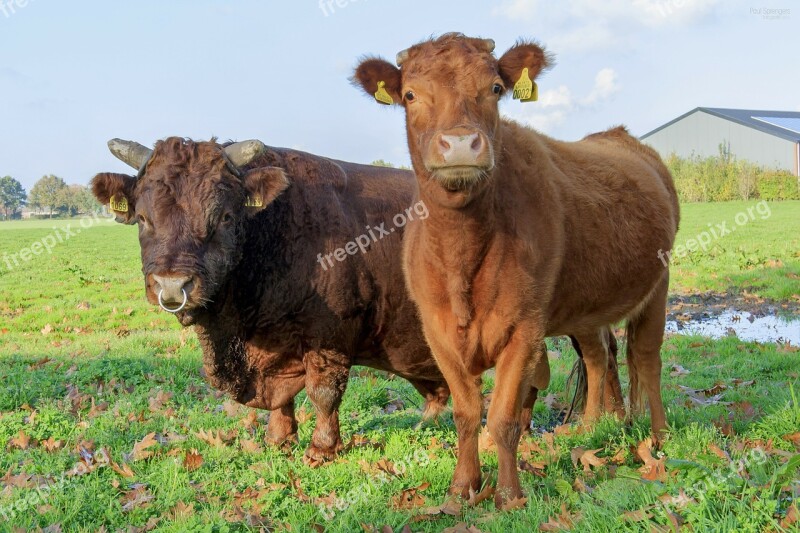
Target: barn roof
(783, 124)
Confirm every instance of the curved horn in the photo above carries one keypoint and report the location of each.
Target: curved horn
(129, 152)
(489, 44)
(401, 56)
(244, 152)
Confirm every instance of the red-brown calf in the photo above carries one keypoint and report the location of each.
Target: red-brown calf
(528, 237)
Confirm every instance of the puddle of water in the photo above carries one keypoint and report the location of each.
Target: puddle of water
(744, 325)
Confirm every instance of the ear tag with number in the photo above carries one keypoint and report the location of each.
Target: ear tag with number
(524, 88)
(121, 205)
(254, 201)
(382, 96)
(535, 95)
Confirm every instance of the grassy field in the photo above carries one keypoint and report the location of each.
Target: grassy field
(106, 422)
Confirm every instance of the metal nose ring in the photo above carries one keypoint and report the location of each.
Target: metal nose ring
(167, 309)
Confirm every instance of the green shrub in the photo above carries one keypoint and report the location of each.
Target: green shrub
(723, 179)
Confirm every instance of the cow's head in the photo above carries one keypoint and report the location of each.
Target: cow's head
(450, 88)
(191, 201)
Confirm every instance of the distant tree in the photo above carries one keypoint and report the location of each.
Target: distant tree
(12, 196)
(76, 199)
(382, 163)
(47, 193)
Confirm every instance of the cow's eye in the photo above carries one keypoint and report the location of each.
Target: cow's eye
(497, 88)
(227, 218)
(410, 96)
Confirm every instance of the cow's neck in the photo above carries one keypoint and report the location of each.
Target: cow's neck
(224, 355)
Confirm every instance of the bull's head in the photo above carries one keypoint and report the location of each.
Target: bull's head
(450, 88)
(191, 201)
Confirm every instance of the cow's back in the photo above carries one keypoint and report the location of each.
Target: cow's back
(357, 305)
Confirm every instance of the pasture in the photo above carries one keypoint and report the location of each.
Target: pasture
(106, 421)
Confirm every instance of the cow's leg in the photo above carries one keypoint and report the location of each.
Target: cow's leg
(326, 381)
(436, 394)
(530, 399)
(612, 400)
(645, 336)
(467, 403)
(595, 357)
(282, 427)
(520, 367)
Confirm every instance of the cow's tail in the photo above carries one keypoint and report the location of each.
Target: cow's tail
(577, 379)
(636, 391)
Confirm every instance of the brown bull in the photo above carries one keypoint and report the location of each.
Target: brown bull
(527, 237)
(242, 242)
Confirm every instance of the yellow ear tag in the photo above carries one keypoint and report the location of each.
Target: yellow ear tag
(382, 96)
(254, 202)
(120, 206)
(535, 95)
(523, 89)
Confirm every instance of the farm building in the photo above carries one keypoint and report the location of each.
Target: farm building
(767, 138)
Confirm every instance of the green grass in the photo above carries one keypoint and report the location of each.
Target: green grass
(81, 348)
(761, 256)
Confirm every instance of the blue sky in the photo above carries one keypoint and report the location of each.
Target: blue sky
(75, 74)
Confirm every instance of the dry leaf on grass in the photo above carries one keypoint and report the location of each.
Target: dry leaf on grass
(136, 498)
(140, 449)
(21, 441)
(181, 511)
(409, 498)
(461, 528)
(250, 446)
(653, 469)
(587, 458)
(513, 504)
(561, 522)
(192, 460)
(476, 498)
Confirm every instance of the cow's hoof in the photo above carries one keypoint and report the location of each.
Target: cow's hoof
(462, 489)
(507, 498)
(284, 444)
(316, 456)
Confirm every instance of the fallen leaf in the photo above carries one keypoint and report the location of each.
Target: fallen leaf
(458, 528)
(51, 444)
(21, 441)
(653, 469)
(140, 449)
(587, 458)
(719, 452)
(231, 408)
(250, 446)
(409, 498)
(561, 522)
(47, 329)
(476, 498)
(137, 498)
(192, 460)
(637, 516)
(181, 511)
(677, 371)
(513, 504)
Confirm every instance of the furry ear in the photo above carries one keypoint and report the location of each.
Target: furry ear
(520, 56)
(263, 185)
(117, 190)
(373, 71)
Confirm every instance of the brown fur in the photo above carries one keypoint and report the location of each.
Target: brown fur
(551, 238)
(270, 320)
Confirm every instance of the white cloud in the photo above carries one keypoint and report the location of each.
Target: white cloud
(517, 9)
(580, 25)
(555, 105)
(605, 86)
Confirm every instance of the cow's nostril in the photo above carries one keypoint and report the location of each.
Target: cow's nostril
(443, 144)
(477, 143)
(173, 288)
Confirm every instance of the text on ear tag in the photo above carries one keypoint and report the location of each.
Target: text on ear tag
(254, 201)
(523, 89)
(382, 96)
(535, 95)
(121, 205)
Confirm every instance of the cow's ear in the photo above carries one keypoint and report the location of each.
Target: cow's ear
(262, 186)
(379, 79)
(521, 56)
(116, 190)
